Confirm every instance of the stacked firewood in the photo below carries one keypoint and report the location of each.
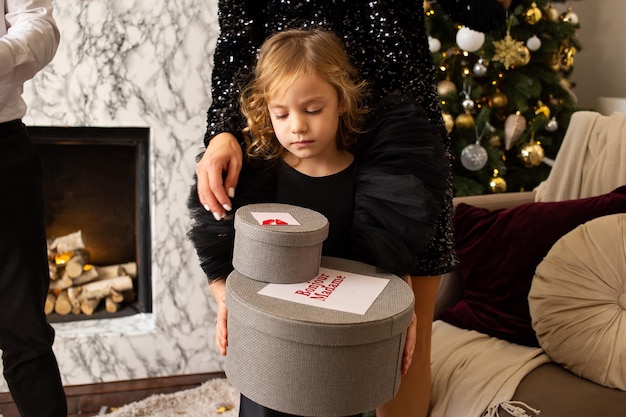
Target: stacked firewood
(78, 287)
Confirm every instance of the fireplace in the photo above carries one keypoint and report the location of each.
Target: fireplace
(96, 182)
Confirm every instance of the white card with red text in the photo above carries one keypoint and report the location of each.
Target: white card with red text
(331, 289)
(274, 218)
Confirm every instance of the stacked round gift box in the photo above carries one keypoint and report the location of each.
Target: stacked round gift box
(303, 359)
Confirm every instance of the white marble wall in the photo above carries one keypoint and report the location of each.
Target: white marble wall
(139, 63)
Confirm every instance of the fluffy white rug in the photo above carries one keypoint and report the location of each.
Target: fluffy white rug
(214, 398)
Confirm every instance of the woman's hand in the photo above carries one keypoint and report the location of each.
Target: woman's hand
(222, 155)
(221, 327)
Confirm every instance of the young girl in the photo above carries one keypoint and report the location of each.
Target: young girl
(381, 193)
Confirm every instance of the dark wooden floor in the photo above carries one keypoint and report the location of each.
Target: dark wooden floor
(87, 400)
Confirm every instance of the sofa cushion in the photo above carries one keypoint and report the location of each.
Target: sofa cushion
(578, 301)
(498, 253)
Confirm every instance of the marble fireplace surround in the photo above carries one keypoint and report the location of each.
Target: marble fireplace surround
(139, 63)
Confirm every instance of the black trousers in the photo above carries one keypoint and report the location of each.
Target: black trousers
(30, 367)
(248, 408)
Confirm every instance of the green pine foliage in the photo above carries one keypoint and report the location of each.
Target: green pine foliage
(480, 90)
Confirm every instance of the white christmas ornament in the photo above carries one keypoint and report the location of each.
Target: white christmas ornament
(434, 44)
(469, 40)
(533, 43)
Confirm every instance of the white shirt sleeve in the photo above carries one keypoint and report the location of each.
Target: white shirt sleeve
(29, 39)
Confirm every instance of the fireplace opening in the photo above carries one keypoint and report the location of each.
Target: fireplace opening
(96, 187)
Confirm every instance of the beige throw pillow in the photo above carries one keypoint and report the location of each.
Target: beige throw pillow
(577, 301)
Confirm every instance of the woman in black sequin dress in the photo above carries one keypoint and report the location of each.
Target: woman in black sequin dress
(387, 42)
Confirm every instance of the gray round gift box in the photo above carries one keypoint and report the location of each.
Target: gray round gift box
(311, 361)
(280, 254)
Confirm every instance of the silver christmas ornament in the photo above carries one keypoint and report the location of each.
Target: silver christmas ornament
(552, 125)
(480, 69)
(468, 104)
(474, 157)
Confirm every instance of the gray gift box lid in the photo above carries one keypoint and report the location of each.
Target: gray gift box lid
(288, 356)
(279, 253)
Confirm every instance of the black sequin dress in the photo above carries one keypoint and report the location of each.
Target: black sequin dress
(387, 42)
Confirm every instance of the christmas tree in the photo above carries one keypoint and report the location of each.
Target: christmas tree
(505, 95)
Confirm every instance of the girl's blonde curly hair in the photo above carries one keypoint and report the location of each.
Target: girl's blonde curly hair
(286, 57)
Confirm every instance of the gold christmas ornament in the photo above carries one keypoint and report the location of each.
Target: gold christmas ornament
(464, 121)
(446, 87)
(524, 56)
(448, 121)
(531, 154)
(495, 141)
(552, 13)
(555, 63)
(511, 52)
(533, 14)
(498, 100)
(514, 126)
(497, 184)
(542, 109)
(567, 56)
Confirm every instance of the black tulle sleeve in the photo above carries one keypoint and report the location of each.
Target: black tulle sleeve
(214, 240)
(400, 187)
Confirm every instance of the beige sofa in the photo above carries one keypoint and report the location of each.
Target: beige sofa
(537, 384)
(534, 321)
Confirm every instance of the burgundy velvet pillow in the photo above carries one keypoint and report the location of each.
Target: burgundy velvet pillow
(499, 251)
